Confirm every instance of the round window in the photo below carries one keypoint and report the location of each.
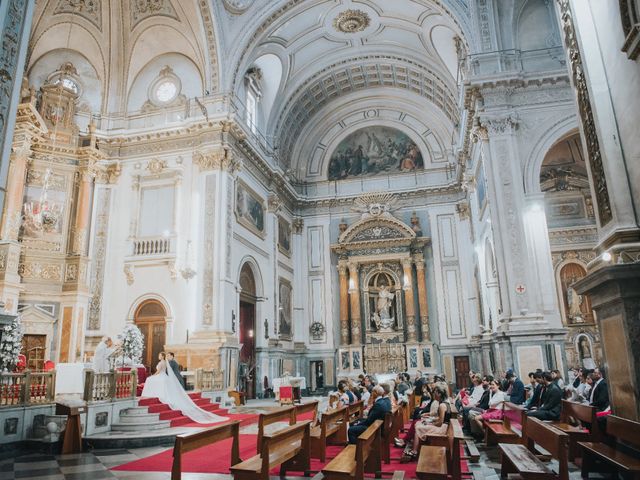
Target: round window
(166, 91)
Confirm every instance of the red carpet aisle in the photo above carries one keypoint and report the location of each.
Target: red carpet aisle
(177, 419)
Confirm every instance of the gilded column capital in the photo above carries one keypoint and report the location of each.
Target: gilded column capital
(406, 263)
(342, 267)
(217, 159)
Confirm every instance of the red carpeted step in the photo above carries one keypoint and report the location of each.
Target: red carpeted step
(195, 395)
(181, 420)
(143, 402)
(161, 407)
(171, 414)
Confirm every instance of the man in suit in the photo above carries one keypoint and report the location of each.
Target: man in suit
(536, 398)
(175, 366)
(515, 389)
(551, 400)
(381, 406)
(599, 397)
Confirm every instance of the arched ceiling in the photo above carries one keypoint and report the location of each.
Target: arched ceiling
(118, 38)
(330, 49)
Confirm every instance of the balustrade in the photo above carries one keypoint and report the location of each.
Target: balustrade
(152, 246)
(110, 386)
(27, 388)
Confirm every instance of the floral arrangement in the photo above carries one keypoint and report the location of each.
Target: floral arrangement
(10, 345)
(132, 343)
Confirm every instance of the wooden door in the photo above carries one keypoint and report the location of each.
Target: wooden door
(462, 371)
(33, 347)
(150, 319)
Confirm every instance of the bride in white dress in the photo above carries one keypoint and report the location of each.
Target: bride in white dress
(165, 386)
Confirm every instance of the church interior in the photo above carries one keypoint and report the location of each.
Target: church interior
(319, 238)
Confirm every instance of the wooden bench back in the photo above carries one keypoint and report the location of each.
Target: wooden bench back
(551, 439)
(626, 430)
(286, 414)
(454, 436)
(513, 416)
(355, 410)
(332, 419)
(579, 411)
(303, 408)
(368, 448)
(191, 441)
(281, 442)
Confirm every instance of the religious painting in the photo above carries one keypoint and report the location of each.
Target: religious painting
(285, 308)
(357, 363)
(577, 308)
(413, 358)
(426, 357)
(249, 209)
(374, 150)
(284, 236)
(344, 360)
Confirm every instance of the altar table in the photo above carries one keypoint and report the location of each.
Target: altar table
(286, 382)
(70, 378)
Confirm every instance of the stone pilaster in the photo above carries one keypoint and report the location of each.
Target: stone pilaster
(615, 296)
(423, 302)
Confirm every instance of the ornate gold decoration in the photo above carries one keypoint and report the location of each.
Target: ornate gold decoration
(351, 21)
(156, 166)
(586, 114)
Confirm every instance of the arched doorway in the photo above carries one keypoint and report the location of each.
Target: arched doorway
(150, 318)
(247, 329)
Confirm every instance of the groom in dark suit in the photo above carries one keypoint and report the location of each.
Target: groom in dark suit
(175, 366)
(381, 406)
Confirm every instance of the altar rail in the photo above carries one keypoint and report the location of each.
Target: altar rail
(110, 386)
(27, 388)
(208, 381)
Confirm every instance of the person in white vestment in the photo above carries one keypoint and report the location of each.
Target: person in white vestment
(165, 386)
(101, 356)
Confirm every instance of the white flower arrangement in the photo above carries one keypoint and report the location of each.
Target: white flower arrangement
(11, 345)
(132, 343)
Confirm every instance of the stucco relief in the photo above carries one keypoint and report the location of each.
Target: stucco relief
(88, 9)
(99, 257)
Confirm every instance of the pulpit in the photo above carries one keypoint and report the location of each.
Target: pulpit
(72, 437)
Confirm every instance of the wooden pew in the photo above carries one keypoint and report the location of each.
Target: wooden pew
(392, 423)
(303, 408)
(521, 459)
(442, 462)
(286, 414)
(603, 457)
(580, 413)
(191, 441)
(503, 431)
(355, 460)
(288, 448)
(332, 430)
(355, 410)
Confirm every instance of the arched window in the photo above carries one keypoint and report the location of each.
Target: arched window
(629, 14)
(252, 81)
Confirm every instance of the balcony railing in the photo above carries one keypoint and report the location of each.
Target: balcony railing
(516, 62)
(99, 387)
(153, 246)
(28, 388)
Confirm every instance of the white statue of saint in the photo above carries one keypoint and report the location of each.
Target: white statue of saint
(385, 299)
(101, 355)
(575, 302)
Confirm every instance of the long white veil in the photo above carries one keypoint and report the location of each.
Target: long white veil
(178, 399)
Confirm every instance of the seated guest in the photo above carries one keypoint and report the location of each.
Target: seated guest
(535, 400)
(530, 387)
(557, 378)
(516, 389)
(551, 400)
(599, 396)
(369, 383)
(430, 426)
(496, 399)
(403, 383)
(483, 404)
(418, 382)
(344, 394)
(583, 390)
(381, 406)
